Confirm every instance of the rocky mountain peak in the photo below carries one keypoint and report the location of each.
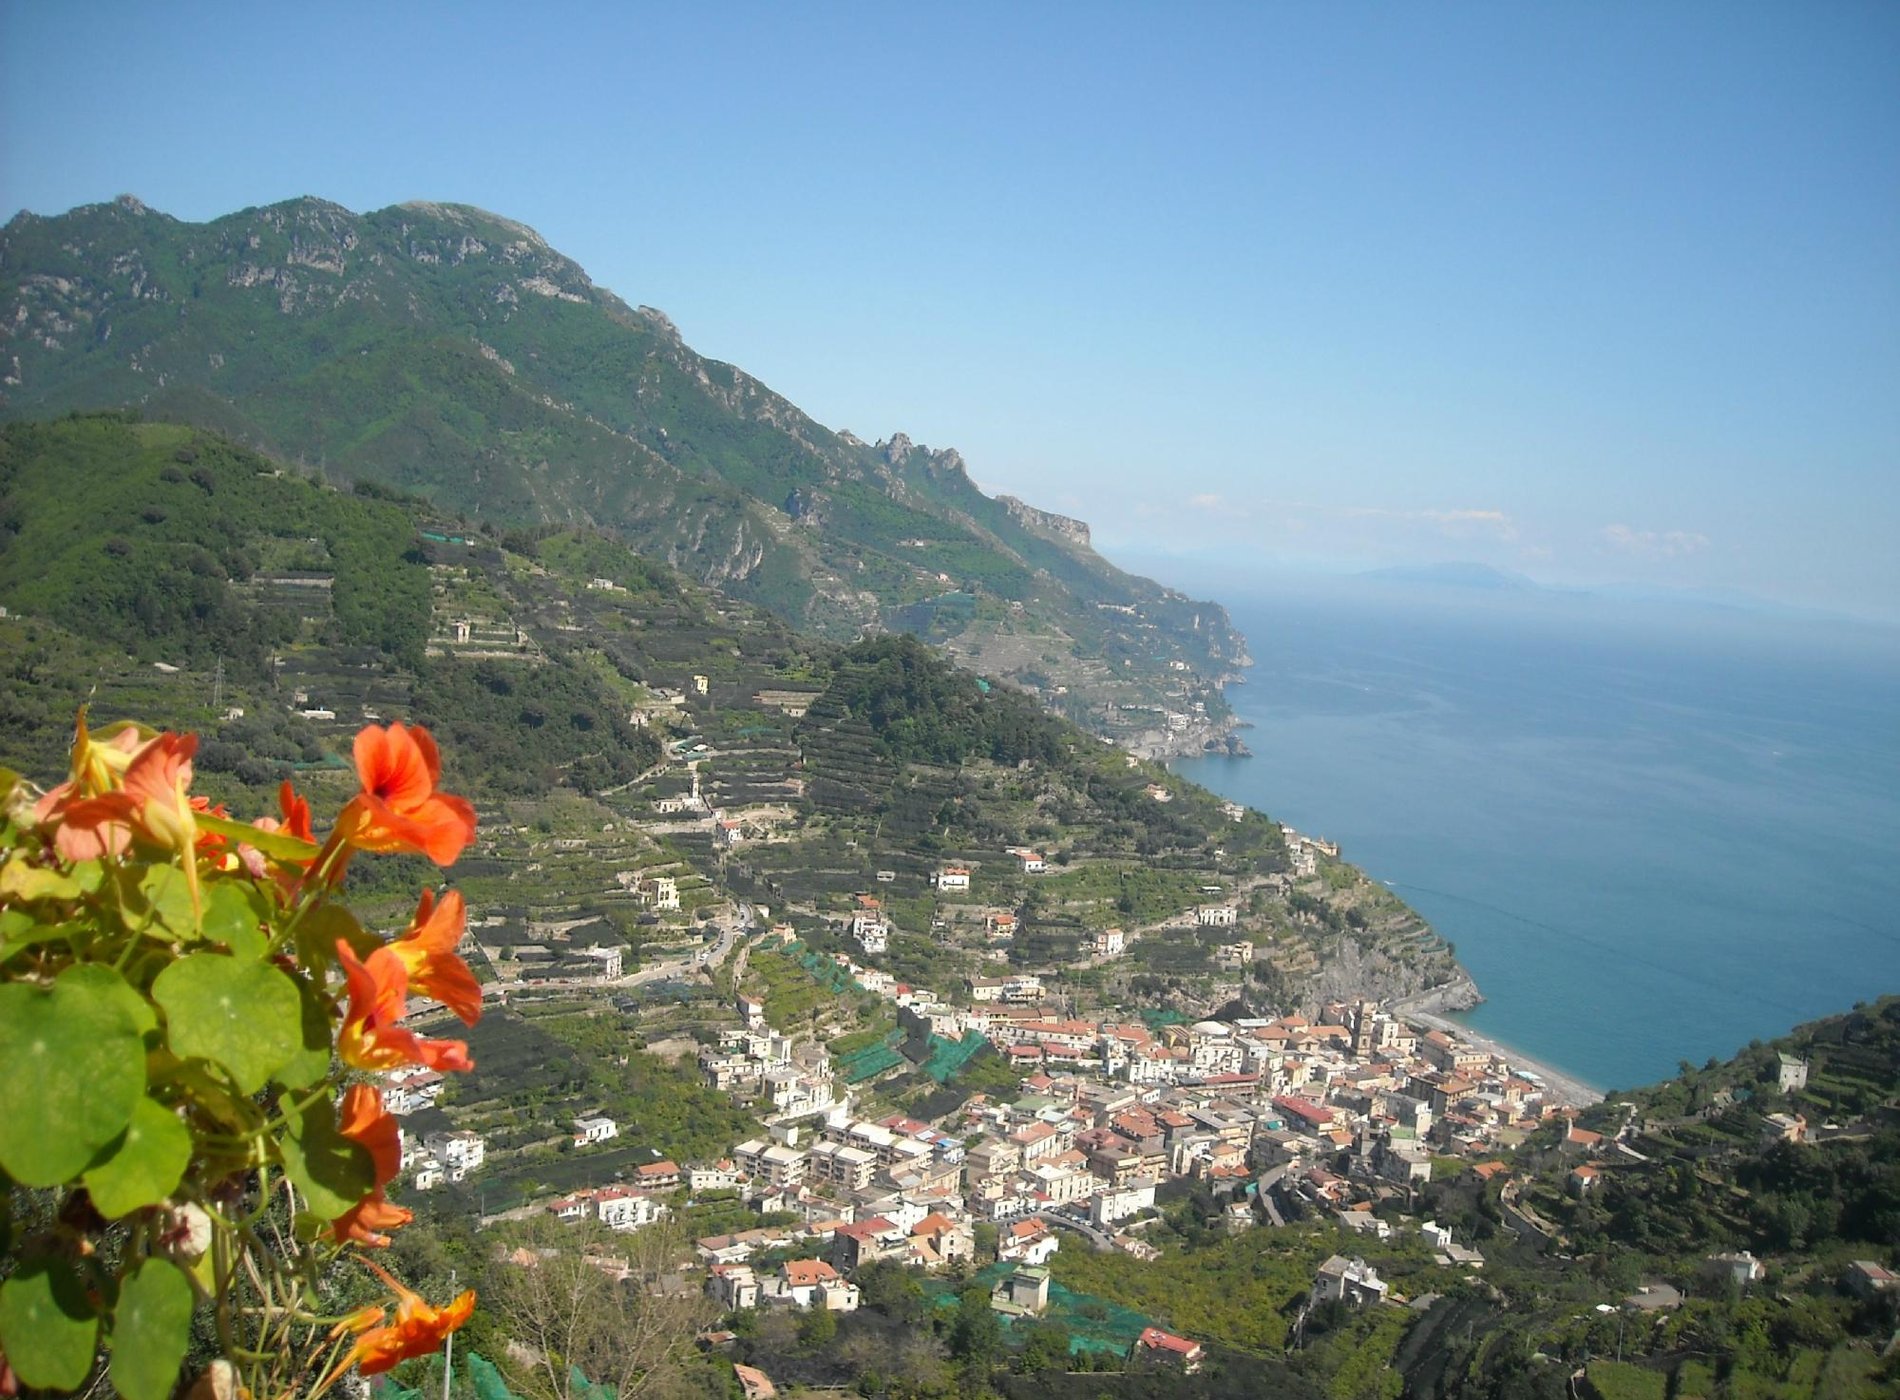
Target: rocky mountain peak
(1063, 527)
(662, 323)
(469, 214)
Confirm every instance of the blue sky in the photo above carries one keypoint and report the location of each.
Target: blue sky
(1593, 292)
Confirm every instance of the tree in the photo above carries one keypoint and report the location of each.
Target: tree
(597, 1303)
(975, 1336)
(818, 1327)
(1047, 1348)
(985, 1238)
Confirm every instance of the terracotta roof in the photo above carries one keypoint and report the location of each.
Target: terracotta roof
(1155, 1339)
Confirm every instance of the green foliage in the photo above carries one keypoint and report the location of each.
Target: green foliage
(442, 353)
(528, 728)
(923, 711)
(145, 535)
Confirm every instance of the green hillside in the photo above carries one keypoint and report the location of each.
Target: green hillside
(163, 571)
(453, 354)
(584, 694)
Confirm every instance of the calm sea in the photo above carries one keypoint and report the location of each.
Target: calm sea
(1654, 834)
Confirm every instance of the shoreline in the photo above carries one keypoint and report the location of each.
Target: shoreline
(1164, 746)
(1564, 1090)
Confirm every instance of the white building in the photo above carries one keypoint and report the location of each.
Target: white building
(1217, 916)
(872, 933)
(611, 961)
(588, 1130)
(813, 1283)
(1027, 1242)
(954, 877)
(720, 1176)
(1107, 1207)
(404, 1092)
(1350, 1281)
(459, 1152)
(621, 1208)
(770, 1161)
(1021, 988)
(734, 1286)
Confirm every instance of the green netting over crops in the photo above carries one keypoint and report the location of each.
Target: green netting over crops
(1093, 1324)
(872, 1060)
(1157, 1016)
(823, 970)
(485, 1378)
(949, 1056)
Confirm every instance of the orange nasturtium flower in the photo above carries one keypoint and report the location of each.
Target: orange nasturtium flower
(158, 782)
(399, 808)
(427, 950)
(365, 1222)
(87, 828)
(417, 1330)
(371, 1037)
(363, 1119)
(88, 813)
(296, 812)
(99, 764)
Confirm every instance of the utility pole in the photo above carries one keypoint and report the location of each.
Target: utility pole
(217, 687)
(448, 1348)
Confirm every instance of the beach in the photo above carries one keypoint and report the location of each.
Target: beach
(1564, 1089)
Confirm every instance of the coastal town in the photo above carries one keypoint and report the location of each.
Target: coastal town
(1338, 1116)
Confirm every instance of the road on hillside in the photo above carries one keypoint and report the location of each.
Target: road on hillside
(731, 928)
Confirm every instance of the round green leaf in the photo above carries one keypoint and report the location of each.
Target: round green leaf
(72, 1068)
(242, 1015)
(143, 1166)
(320, 928)
(47, 1327)
(21, 881)
(312, 1060)
(166, 894)
(150, 1328)
(109, 983)
(234, 910)
(332, 1171)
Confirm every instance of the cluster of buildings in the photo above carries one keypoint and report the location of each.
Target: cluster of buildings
(1282, 1117)
(430, 1159)
(755, 1062)
(1303, 852)
(1334, 1116)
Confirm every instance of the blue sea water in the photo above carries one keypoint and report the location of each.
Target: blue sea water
(1653, 834)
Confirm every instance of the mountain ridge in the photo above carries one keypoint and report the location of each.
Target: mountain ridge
(453, 353)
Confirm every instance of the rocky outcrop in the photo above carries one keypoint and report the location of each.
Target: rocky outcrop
(1352, 969)
(1061, 527)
